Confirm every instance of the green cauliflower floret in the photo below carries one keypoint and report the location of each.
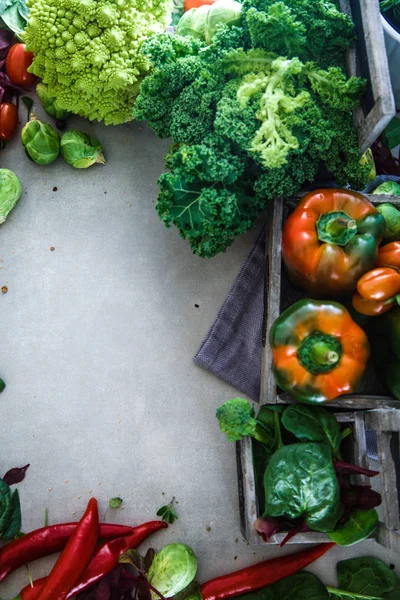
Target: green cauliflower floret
(88, 53)
(236, 420)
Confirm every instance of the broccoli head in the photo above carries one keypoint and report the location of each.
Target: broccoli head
(236, 420)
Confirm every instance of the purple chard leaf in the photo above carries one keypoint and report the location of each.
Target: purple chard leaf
(15, 475)
(344, 468)
(266, 527)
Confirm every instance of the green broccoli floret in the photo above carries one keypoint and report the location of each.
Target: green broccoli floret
(236, 420)
(89, 53)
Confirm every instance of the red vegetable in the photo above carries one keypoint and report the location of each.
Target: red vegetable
(8, 120)
(104, 561)
(262, 574)
(45, 541)
(75, 557)
(196, 3)
(17, 63)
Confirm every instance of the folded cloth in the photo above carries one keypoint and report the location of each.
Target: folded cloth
(232, 347)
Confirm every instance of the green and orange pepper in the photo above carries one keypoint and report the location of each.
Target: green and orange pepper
(318, 351)
(378, 291)
(330, 240)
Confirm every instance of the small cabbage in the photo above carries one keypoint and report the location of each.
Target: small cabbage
(392, 220)
(10, 192)
(80, 150)
(391, 188)
(193, 22)
(226, 12)
(172, 570)
(41, 142)
(50, 104)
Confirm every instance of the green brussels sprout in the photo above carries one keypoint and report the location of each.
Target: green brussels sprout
(392, 221)
(392, 188)
(80, 150)
(227, 12)
(193, 22)
(10, 192)
(50, 104)
(172, 570)
(41, 142)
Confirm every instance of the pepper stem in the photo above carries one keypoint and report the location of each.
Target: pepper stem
(320, 353)
(336, 227)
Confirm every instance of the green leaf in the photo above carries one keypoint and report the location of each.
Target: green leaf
(301, 586)
(13, 19)
(191, 592)
(313, 424)
(361, 524)
(13, 526)
(300, 481)
(391, 135)
(2, 385)
(115, 502)
(167, 513)
(366, 575)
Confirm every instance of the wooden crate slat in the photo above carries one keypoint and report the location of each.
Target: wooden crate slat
(390, 500)
(387, 538)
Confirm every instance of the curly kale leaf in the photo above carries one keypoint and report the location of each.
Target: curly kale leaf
(316, 30)
(300, 482)
(204, 198)
(277, 29)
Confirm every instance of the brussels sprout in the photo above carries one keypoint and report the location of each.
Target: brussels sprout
(227, 12)
(10, 192)
(392, 221)
(193, 22)
(41, 142)
(80, 150)
(50, 104)
(392, 188)
(172, 570)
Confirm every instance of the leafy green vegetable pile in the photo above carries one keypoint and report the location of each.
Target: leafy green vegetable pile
(252, 116)
(88, 52)
(301, 479)
(363, 578)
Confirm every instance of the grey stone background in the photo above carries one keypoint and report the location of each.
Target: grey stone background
(97, 339)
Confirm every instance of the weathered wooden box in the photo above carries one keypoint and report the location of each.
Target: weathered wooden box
(386, 424)
(368, 59)
(279, 294)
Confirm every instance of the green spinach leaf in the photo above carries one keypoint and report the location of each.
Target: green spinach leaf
(301, 586)
(10, 512)
(313, 424)
(365, 576)
(361, 524)
(300, 481)
(391, 135)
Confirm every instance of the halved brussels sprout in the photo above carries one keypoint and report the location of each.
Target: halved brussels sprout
(10, 192)
(80, 150)
(172, 570)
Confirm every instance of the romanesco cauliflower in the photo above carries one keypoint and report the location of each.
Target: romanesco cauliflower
(88, 52)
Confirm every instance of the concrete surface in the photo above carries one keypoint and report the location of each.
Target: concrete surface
(97, 339)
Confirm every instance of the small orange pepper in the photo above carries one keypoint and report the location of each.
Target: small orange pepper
(377, 291)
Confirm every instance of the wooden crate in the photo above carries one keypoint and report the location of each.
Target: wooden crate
(368, 59)
(279, 294)
(386, 423)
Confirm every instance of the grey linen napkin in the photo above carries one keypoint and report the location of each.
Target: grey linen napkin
(232, 347)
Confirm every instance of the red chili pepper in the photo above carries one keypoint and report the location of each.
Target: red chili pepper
(104, 560)
(75, 557)
(261, 575)
(45, 541)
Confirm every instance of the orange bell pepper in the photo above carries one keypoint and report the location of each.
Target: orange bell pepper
(330, 240)
(318, 351)
(389, 255)
(377, 291)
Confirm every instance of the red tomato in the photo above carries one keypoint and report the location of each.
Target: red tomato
(8, 120)
(196, 3)
(17, 62)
